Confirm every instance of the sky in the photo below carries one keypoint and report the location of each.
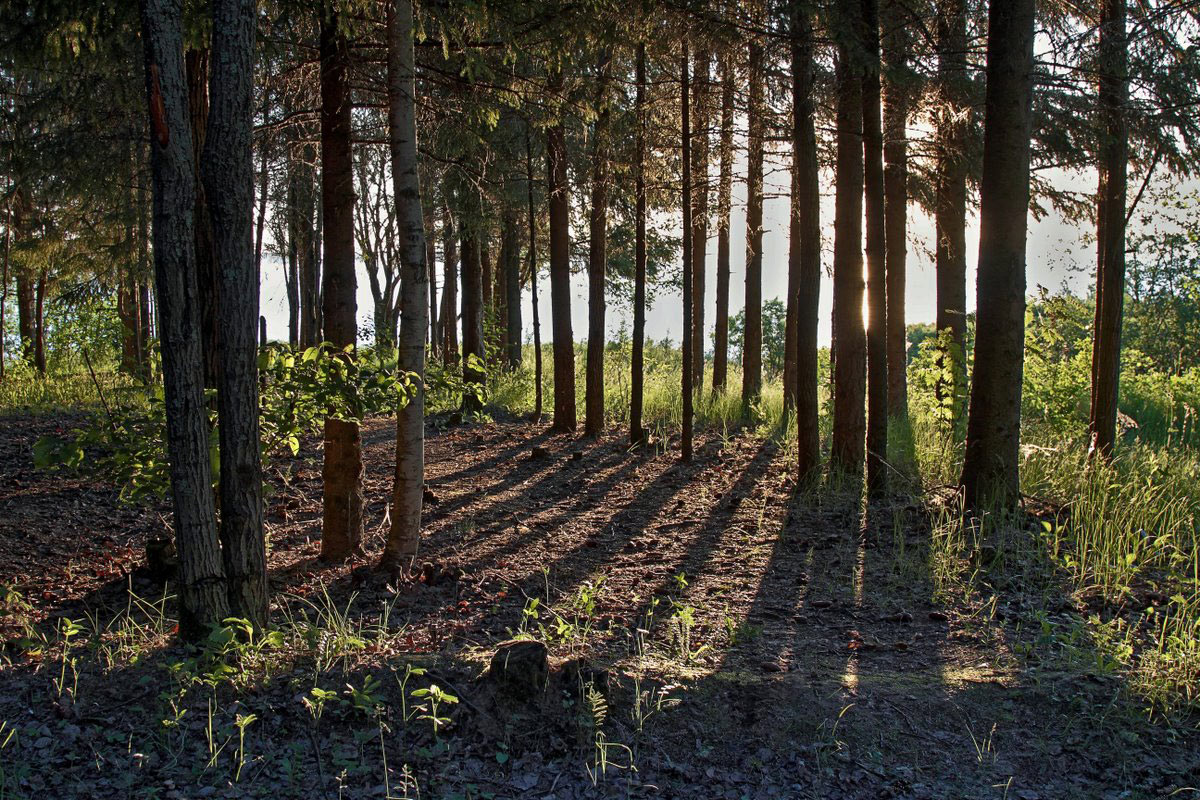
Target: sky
(1058, 254)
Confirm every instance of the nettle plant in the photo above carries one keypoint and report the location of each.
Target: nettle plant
(299, 391)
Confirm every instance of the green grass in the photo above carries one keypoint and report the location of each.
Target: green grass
(26, 392)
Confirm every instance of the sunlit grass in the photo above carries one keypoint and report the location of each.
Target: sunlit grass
(26, 392)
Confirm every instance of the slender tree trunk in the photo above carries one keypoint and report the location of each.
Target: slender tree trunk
(873, 184)
(849, 347)
(752, 330)
(724, 202)
(593, 418)
(449, 313)
(533, 271)
(405, 533)
(8, 221)
(203, 600)
(990, 468)
(804, 258)
(39, 323)
(950, 212)
(512, 286)
(699, 165)
(309, 247)
(895, 209)
(342, 526)
(430, 275)
(637, 434)
(688, 265)
(1110, 228)
(228, 172)
(472, 315)
(560, 273)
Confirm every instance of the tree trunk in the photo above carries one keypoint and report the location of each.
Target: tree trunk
(449, 313)
(699, 166)
(752, 330)
(309, 247)
(342, 525)
(685, 160)
(849, 346)
(472, 315)
(228, 172)
(203, 600)
(430, 275)
(206, 265)
(724, 201)
(950, 213)
(533, 271)
(637, 434)
(512, 286)
(4, 280)
(895, 208)
(593, 417)
(405, 533)
(873, 185)
(560, 272)
(990, 468)
(39, 323)
(1110, 228)
(804, 257)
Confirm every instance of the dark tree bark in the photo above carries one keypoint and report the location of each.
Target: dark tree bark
(849, 345)
(804, 257)
(39, 323)
(472, 314)
(342, 526)
(560, 273)
(877, 372)
(533, 287)
(895, 209)
(203, 600)
(449, 311)
(724, 201)
(197, 61)
(511, 225)
(593, 396)
(685, 161)
(950, 213)
(699, 165)
(637, 434)
(228, 172)
(752, 330)
(1110, 227)
(407, 494)
(990, 468)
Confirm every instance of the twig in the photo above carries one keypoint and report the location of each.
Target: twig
(107, 411)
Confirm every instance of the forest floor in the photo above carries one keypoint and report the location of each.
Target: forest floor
(734, 640)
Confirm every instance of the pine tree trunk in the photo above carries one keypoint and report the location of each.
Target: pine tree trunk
(203, 600)
(206, 266)
(560, 273)
(533, 287)
(430, 274)
(685, 160)
(990, 468)
(752, 330)
(593, 396)
(512, 286)
(849, 347)
(699, 163)
(39, 323)
(1110, 228)
(342, 525)
(804, 257)
(637, 434)
(449, 312)
(405, 533)
(950, 212)
(228, 172)
(895, 210)
(873, 184)
(724, 201)
(472, 315)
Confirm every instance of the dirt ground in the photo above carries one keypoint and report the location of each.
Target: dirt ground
(742, 641)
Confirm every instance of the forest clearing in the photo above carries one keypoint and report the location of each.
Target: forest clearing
(377, 421)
